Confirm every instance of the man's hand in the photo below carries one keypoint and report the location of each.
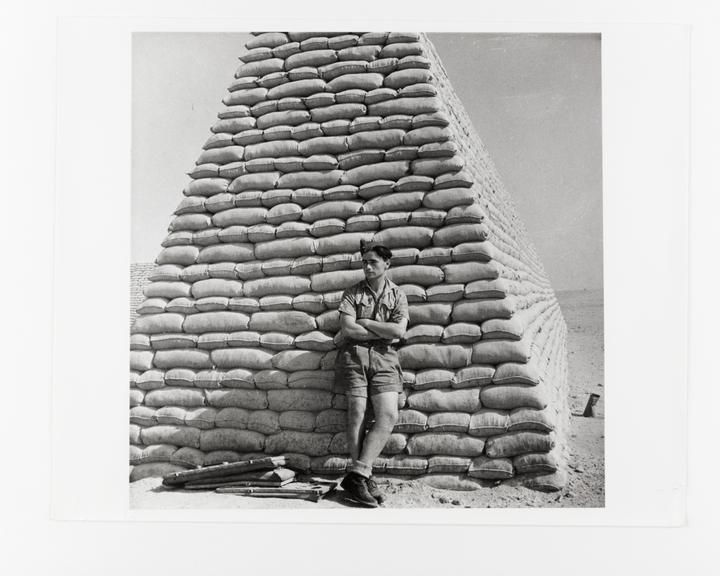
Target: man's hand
(353, 330)
(388, 330)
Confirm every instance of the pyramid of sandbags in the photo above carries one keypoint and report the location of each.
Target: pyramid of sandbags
(325, 139)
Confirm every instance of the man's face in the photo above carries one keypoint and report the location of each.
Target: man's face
(373, 265)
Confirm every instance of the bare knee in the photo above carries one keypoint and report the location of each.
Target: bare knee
(386, 413)
(386, 419)
(356, 408)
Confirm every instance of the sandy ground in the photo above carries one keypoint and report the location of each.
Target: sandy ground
(583, 311)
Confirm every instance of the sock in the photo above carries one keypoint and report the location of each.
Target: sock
(361, 468)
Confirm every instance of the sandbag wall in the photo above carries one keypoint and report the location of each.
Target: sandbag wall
(324, 140)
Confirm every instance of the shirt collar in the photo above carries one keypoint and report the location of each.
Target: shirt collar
(388, 287)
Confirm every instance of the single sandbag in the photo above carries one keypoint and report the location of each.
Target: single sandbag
(306, 265)
(461, 333)
(440, 464)
(336, 280)
(299, 399)
(271, 379)
(367, 81)
(237, 398)
(437, 378)
(491, 468)
(415, 274)
(136, 397)
(406, 465)
(448, 422)
(309, 302)
(431, 313)
(342, 243)
(516, 443)
(171, 434)
(477, 311)
(175, 397)
(264, 421)
(379, 171)
(530, 419)
(238, 377)
(217, 287)
(503, 329)
(515, 373)
(460, 233)
(447, 443)
(252, 358)
(143, 416)
(513, 396)
(299, 420)
(382, 139)
(215, 322)
(201, 417)
(276, 285)
(448, 198)
(158, 323)
(239, 217)
(409, 106)
(174, 340)
(418, 356)
(293, 360)
(180, 255)
(405, 237)
(150, 380)
(292, 322)
(396, 202)
(342, 209)
(536, 463)
(315, 340)
(445, 292)
(486, 289)
(410, 421)
(312, 58)
(445, 400)
(193, 359)
(423, 334)
(331, 420)
(407, 77)
(488, 423)
(231, 439)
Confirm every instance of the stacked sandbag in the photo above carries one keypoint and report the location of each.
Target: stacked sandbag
(326, 140)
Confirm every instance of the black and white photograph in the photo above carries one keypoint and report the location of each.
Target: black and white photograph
(367, 270)
(433, 297)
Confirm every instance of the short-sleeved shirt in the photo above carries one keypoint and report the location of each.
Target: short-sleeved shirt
(391, 305)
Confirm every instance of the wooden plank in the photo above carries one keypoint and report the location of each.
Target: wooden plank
(223, 470)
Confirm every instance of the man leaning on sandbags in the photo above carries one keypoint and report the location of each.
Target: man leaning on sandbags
(373, 316)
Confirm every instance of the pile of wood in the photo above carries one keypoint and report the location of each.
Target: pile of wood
(265, 477)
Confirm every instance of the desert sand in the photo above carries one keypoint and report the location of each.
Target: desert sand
(583, 311)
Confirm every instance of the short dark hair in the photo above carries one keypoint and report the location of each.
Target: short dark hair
(384, 252)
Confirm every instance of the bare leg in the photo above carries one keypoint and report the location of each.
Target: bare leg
(355, 424)
(385, 406)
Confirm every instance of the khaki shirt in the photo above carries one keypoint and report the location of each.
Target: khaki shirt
(391, 305)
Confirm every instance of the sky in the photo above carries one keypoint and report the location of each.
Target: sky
(534, 99)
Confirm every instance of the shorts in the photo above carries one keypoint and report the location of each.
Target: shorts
(367, 368)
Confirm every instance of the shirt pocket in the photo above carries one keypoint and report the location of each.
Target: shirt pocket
(386, 308)
(365, 308)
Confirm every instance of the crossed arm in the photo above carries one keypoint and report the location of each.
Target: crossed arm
(366, 329)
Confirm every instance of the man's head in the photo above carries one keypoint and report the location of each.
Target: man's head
(376, 259)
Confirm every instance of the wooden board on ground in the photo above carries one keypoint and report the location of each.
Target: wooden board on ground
(305, 490)
(223, 470)
(260, 478)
